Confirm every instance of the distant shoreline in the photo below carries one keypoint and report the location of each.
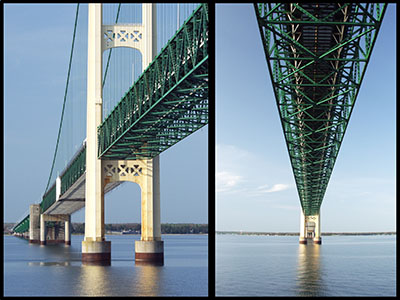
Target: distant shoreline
(297, 234)
(9, 234)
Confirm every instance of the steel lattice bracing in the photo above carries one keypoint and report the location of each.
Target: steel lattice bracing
(168, 102)
(317, 54)
(22, 226)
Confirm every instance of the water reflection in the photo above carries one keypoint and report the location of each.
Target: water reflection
(149, 280)
(51, 263)
(94, 281)
(309, 279)
(97, 280)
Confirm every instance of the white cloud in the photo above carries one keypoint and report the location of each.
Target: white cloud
(265, 189)
(275, 188)
(230, 155)
(226, 181)
(239, 171)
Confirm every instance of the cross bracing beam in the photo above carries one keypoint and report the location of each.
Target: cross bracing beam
(168, 102)
(317, 54)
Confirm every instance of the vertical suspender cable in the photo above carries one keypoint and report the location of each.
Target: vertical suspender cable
(65, 97)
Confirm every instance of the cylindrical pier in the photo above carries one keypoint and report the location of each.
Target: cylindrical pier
(42, 230)
(67, 231)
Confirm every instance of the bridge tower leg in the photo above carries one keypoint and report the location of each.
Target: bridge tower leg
(94, 247)
(150, 248)
(317, 230)
(303, 232)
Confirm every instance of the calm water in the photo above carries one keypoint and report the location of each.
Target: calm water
(279, 266)
(56, 270)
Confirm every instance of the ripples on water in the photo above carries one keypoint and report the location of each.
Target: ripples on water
(280, 266)
(57, 270)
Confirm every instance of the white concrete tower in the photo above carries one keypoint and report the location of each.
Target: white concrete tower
(317, 229)
(100, 38)
(303, 233)
(150, 248)
(94, 246)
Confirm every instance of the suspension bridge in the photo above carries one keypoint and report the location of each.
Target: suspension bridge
(137, 84)
(317, 55)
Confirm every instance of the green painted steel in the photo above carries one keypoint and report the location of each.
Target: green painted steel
(22, 226)
(48, 198)
(75, 170)
(317, 54)
(167, 103)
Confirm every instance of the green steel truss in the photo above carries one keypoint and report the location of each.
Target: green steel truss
(48, 198)
(168, 102)
(74, 170)
(69, 176)
(22, 226)
(317, 54)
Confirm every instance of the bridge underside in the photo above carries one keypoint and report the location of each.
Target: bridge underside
(74, 198)
(317, 54)
(167, 103)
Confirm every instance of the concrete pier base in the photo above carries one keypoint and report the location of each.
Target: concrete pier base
(303, 240)
(149, 252)
(317, 240)
(96, 253)
(53, 242)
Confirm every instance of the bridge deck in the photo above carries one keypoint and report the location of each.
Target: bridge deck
(317, 55)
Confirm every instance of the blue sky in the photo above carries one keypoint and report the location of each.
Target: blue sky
(37, 44)
(255, 186)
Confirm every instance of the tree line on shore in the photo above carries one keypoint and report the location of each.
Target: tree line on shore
(296, 233)
(179, 228)
(183, 228)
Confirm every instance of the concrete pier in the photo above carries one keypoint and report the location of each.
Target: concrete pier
(67, 231)
(42, 231)
(149, 252)
(55, 232)
(310, 227)
(317, 230)
(34, 224)
(96, 252)
(303, 233)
